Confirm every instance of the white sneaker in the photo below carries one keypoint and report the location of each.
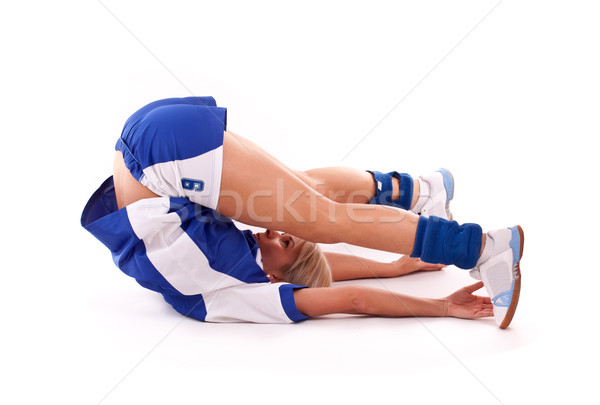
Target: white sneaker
(500, 271)
(441, 191)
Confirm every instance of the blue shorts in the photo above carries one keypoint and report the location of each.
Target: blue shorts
(175, 148)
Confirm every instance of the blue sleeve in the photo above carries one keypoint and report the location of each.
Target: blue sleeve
(286, 293)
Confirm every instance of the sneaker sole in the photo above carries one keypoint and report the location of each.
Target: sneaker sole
(517, 291)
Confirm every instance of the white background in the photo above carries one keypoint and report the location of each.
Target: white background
(507, 100)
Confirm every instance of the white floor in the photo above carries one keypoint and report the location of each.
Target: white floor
(504, 94)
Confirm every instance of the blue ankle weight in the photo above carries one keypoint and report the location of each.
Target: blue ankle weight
(447, 242)
(384, 189)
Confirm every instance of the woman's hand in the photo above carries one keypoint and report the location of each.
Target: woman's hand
(463, 304)
(407, 265)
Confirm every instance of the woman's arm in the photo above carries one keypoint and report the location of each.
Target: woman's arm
(372, 301)
(349, 267)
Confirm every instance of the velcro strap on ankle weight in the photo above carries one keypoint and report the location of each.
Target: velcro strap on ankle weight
(384, 189)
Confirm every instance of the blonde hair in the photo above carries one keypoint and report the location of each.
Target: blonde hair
(310, 267)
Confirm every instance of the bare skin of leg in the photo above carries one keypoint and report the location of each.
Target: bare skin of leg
(340, 184)
(259, 190)
(349, 185)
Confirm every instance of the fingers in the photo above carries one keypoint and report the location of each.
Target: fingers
(487, 312)
(429, 266)
(473, 287)
(487, 309)
(484, 313)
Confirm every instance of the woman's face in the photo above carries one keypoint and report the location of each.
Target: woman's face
(278, 251)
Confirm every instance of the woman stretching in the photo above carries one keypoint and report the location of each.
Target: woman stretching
(180, 178)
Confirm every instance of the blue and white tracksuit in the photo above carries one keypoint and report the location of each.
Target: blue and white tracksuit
(177, 244)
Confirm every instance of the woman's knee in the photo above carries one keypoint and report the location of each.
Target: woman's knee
(309, 180)
(319, 183)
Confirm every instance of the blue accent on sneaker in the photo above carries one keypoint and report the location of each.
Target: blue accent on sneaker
(515, 244)
(383, 195)
(504, 298)
(448, 184)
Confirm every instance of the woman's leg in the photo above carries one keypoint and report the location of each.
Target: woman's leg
(259, 190)
(350, 185)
